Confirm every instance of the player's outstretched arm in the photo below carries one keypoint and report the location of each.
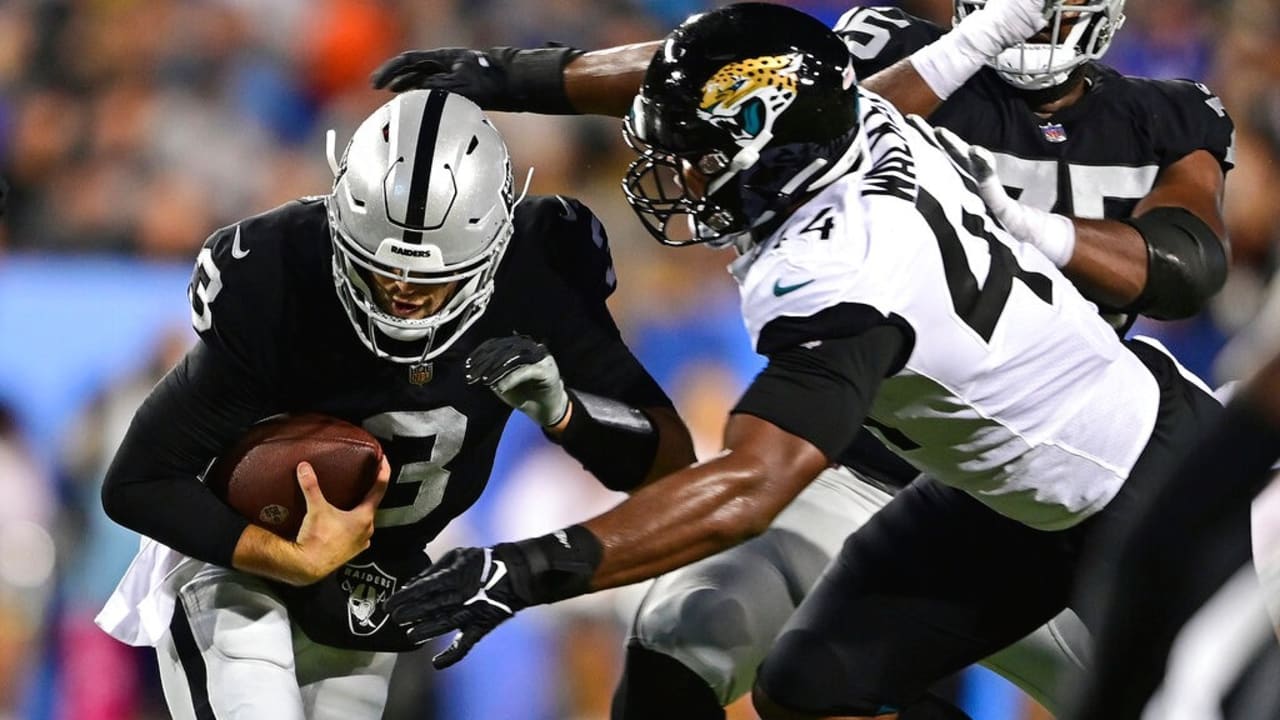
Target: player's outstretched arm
(1166, 261)
(803, 410)
(552, 80)
(561, 80)
(676, 520)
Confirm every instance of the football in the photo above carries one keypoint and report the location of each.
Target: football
(257, 476)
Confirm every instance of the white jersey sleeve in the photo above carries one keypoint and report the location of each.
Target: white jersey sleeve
(815, 277)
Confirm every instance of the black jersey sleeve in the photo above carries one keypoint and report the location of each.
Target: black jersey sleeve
(1186, 116)
(152, 486)
(821, 390)
(580, 330)
(578, 250)
(239, 299)
(878, 37)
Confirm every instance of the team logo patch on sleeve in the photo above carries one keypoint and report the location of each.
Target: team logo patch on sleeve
(368, 587)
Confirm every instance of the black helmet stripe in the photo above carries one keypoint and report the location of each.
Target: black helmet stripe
(416, 211)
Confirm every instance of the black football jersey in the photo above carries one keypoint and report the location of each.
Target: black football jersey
(263, 301)
(1094, 159)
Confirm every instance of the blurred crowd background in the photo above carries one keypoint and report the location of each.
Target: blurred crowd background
(131, 129)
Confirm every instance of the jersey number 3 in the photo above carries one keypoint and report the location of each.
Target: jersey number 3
(423, 443)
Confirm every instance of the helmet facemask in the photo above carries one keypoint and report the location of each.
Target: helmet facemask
(670, 210)
(385, 221)
(1084, 33)
(755, 125)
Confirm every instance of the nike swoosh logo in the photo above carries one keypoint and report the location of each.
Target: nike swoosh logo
(238, 252)
(779, 289)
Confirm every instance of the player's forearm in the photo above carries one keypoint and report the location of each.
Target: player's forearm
(1108, 263)
(263, 553)
(622, 446)
(902, 86)
(152, 486)
(705, 508)
(675, 446)
(682, 518)
(604, 82)
(174, 510)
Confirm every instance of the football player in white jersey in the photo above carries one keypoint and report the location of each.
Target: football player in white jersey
(880, 287)
(1071, 135)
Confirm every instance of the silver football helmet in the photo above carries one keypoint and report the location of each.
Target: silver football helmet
(1083, 32)
(423, 194)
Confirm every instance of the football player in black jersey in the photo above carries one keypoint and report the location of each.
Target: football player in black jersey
(1118, 179)
(422, 300)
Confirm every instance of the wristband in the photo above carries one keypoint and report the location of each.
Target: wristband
(1056, 238)
(1052, 234)
(536, 77)
(556, 566)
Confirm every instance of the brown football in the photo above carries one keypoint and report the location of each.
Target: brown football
(258, 474)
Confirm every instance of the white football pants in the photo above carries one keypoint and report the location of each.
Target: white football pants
(719, 616)
(231, 653)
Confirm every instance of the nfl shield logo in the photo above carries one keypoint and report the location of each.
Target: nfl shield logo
(1054, 132)
(420, 374)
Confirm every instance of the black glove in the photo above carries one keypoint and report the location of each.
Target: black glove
(473, 590)
(500, 78)
(522, 373)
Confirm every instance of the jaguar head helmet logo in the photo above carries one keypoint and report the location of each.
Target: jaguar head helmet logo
(746, 97)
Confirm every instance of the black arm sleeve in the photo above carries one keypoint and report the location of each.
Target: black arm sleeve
(822, 393)
(1186, 263)
(153, 484)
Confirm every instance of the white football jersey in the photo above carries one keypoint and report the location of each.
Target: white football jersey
(1015, 389)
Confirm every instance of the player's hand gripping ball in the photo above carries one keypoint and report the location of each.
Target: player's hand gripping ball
(257, 476)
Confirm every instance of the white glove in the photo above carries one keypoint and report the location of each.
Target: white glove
(522, 373)
(948, 62)
(1005, 23)
(1053, 234)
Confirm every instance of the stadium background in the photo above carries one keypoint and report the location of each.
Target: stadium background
(130, 129)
